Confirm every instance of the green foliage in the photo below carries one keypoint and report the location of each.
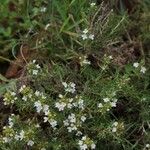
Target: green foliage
(93, 95)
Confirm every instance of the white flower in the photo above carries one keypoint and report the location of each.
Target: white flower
(91, 36)
(35, 72)
(83, 147)
(46, 109)
(83, 118)
(69, 129)
(93, 146)
(83, 60)
(93, 4)
(85, 31)
(17, 137)
(69, 87)
(45, 119)
(85, 143)
(100, 105)
(43, 149)
(70, 100)
(113, 104)
(73, 127)
(43, 9)
(24, 98)
(136, 64)
(38, 106)
(78, 134)
(143, 69)
(81, 104)
(71, 123)
(80, 142)
(34, 61)
(84, 36)
(72, 118)
(46, 27)
(37, 125)
(13, 93)
(43, 97)
(147, 145)
(21, 135)
(69, 105)
(10, 122)
(6, 139)
(75, 104)
(66, 123)
(72, 85)
(37, 93)
(114, 129)
(30, 143)
(22, 88)
(84, 138)
(110, 57)
(65, 85)
(106, 100)
(115, 123)
(30, 95)
(60, 105)
(53, 123)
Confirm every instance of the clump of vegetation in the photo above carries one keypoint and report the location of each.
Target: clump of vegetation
(78, 85)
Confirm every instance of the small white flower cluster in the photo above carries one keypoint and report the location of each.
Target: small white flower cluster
(22, 88)
(84, 61)
(86, 35)
(79, 103)
(30, 143)
(40, 95)
(106, 61)
(26, 92)
(69, 103)
(9, 98)
(86, 143)
(20, 136)
(70, 87)
(10, 121)
(72, 123)
(64, 102)
(8, 134)
(12, 135)
(41, 107)
(142, 68)
(8, 130)
(43, 9)
(6, 139)
(114, 127)
(49, 117)
(33, 68)
(108, 104)
(93, 4)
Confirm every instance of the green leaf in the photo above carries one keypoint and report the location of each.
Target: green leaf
(2, 78)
